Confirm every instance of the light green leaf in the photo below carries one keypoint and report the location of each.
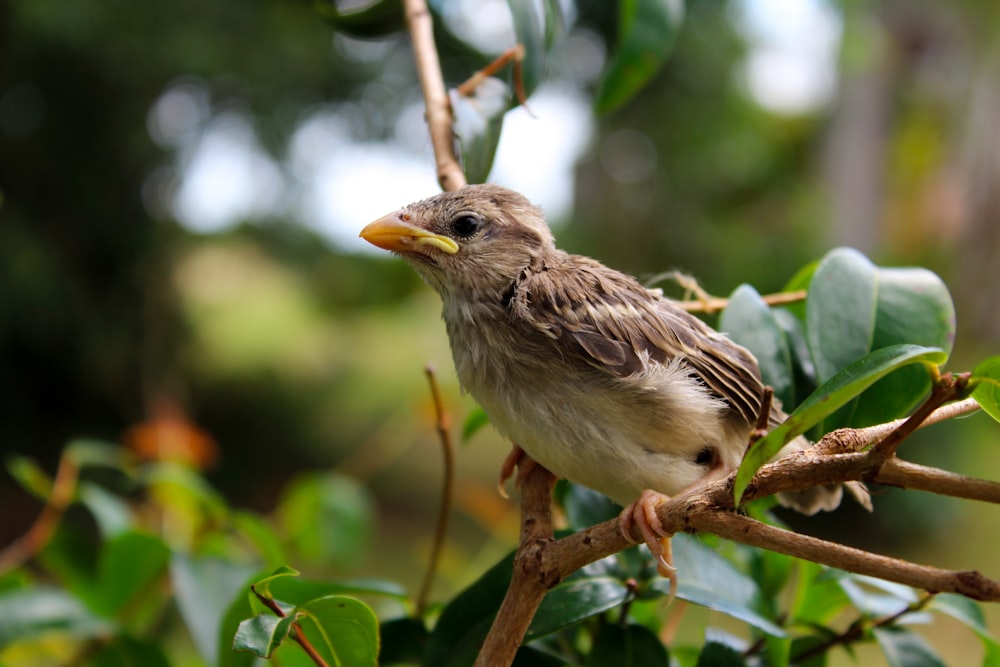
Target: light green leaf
(29, 475)
(903, 648)
(478, 124)
(204, 588)
(342, 628)
(833, 394)
(646, 33)
(328, 518)
(985, 382)
(29, 612)
(534, 32)
(262, 634)
(707, 579)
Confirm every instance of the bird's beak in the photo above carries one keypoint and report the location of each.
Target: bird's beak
(393, 233)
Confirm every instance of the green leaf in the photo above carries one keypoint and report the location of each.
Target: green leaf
(403, 641)
(29, 475)
(535, 31)
(985, 382)
(886, 599)
(819, 598)
(476, 420)
(833, 394)
(584, 507)
(378, 19)
(646, 34)
(970, 613)
(262, 634)
(840, 310)
(478, 124)
(123, 650)
(328, 518)
(913, 307)
(129, 564)
(716, 654)
(239, 609)
(204, 588)
(342, 628)
(573, 600)
(903, 648)
(112, 514)
(629, 646)
(29, 612)
(751, 323)
(707, 579)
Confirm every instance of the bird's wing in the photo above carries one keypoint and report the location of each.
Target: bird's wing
(611, 322)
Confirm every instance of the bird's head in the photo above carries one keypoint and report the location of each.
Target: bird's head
(471, 244)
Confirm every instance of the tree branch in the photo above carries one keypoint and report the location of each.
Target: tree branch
(439, 115)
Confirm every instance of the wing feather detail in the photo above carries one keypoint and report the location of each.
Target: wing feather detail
(611, 322)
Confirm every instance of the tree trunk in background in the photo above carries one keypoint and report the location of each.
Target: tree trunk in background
(856, 145)
(979, 267)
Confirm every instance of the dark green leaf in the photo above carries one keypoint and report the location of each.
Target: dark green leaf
(28, 612)
(903, 648)
(970, 613)
(715, 654)
(403, 640)
(204, 588)
(750, 322)
(262, 634)
(986, 386)
(239, 609)
(803, 369)
(707, 579)
(819, 598)
(342, 628)
(297, 591)
(646, 33)
(126, 651)
(574, 600)
(833, 394)
(380, 18)
(584, 507)
(629, 646)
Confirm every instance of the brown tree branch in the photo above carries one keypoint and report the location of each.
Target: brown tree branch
(845, 455)
(439, 114)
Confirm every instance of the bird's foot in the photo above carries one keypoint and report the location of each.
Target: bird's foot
(642, 513)
(518, 460)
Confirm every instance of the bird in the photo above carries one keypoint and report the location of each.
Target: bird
(599, 379)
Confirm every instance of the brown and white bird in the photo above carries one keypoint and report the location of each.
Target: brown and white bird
(599, 379)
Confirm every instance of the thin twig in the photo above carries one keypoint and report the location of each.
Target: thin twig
(439, 114)
(40, 532)
(298, 636)
(945, 389)
(712, 304)
(443, 422)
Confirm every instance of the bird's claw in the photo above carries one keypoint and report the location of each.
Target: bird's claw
(518, 460)
(642, 513)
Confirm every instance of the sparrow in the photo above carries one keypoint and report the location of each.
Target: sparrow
(601, 380)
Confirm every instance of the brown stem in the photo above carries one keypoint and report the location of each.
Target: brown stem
(443, 421)
(945, 389)
(532, 576)
(715, 304)
(439, 115)
(35, 539)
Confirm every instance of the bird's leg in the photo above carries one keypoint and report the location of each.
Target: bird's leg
(516, 459)
(642, 513)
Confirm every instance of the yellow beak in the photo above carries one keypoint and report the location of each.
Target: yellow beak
(394, 233)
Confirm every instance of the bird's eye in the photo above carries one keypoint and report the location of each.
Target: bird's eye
(466, 225)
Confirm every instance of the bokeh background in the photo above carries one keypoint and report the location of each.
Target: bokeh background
(181, 187)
